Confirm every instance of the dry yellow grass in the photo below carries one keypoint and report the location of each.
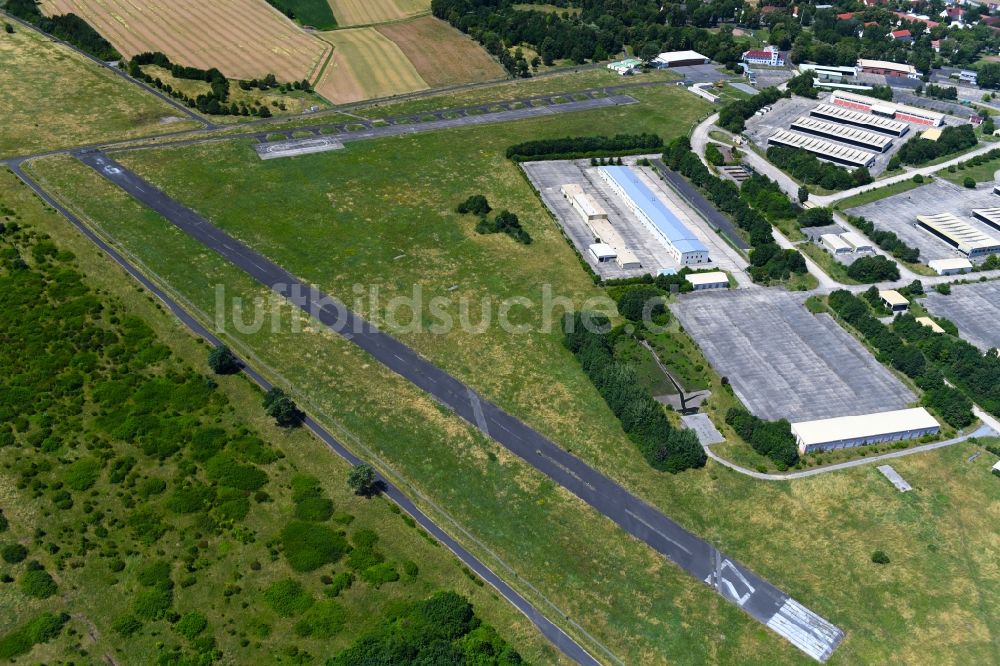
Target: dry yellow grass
(244, 39)
(366, 65)
(366, 12)
(441, 54)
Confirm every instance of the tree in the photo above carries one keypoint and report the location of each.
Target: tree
(361, 479)
(879, 557)
(8, 28)
(475, 204)
(222, 361)
(969, 182)
(281, 408)
(803, 194)
(714, 155)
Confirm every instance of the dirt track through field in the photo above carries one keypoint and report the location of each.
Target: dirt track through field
(365, 65)
(441, 54)
(366, 12)
(242, 38)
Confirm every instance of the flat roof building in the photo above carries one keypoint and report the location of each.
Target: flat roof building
(854, 136)
(930, 323)
(848, 431)
(894, 300)
(835, 244)
(825, 150)
(603, 252)
(857, 242)
(626, 66)
(960, 234)
(596, 219)
(954, 266)
(888, 68)
(990, 216)
(828, 72)
(910, 114)
(713, 280)
(678, 240)
(679, 59)
(583, 203)
(866, 120)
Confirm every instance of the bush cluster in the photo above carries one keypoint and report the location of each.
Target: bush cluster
(773, 439)
(811, 170)
(41, 629)
(872, 269)
(953, 140)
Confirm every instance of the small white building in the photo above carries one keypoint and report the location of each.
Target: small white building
(894, 300)
(603, 252)
(626, 66)
(849, 431)
(835, 244)
(713, 280)
(954, 266)
(857, 242)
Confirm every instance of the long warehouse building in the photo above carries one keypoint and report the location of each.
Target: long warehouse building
(596, 219)
(825, 150)
(853, 136)
(839, 114)
(960, 234)
(679, 241)
(990, 216)
(910, 114)
(849, 431)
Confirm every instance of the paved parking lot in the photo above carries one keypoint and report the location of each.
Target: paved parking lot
(974, 308)
(783, 361)
(898, 214)
(701, 73)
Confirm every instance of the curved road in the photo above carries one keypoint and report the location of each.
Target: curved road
(553, 633)
(737, 584)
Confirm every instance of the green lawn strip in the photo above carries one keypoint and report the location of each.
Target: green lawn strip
(504, 508)
(225, 562)
(64, 100)
(981, 174)
(876, 194)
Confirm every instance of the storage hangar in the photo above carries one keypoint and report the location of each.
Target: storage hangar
(835, 244)
(990, 216)
(857, 242)
(679, 59)
(853, 136)
(888, 68)
(713, 280)
(848, 431)
(879, 107)
(679, 241)
(596, 219)
(894, 300)
(825, 150)
(866, 120)
(954, 266)
(959, 234)
(828, 72)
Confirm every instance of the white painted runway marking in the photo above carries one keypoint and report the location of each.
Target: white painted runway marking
(634, 515)
(806, 630)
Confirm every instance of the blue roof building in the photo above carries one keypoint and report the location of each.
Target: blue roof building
(679, 241)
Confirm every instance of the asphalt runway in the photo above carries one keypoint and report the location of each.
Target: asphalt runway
(764, 602)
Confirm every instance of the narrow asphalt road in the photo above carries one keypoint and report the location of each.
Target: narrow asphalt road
(764, 602)
(553, 633)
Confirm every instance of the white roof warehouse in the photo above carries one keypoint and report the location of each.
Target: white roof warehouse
(849, 431)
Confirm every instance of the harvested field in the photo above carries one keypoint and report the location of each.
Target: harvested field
(56, 98)
(367, 12)
(366, 65)
(244, 39)
(441, 54)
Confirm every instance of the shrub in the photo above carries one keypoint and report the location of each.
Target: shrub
(943, 288)
(410, 568)
(969, 182)
(340, 582)
(153, 604)
(223, 469)
(149, 487)
(315, 509)
(288, 598)
(475, 204)
(323, 619)
(879, 557)
(82, 474)
(37, 583)
(222, 361)
(126, 625)
(13, 553)
(41, 629)
(505, 222)
(155, 574)
(191, 624)
(380, 574)
(308, 546)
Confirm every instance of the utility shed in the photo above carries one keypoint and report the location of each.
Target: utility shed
(950, 266)
(713, 280)
(849, 431)
(894, 300)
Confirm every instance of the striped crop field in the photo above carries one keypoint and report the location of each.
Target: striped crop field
(441, 54)
(366, 64)
(244, 39)
(367, 12)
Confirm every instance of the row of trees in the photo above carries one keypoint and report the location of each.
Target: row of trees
(584, 146)
(892, 348)
(813, 171)
(953, 140)
(67, 27)
(768, 261)
(643, 419)
(773, 439)
(886, 240)
(733, 116)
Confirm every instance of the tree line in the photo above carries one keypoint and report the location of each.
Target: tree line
(584, 146)
(643, 419)
(69, 28)
(900, 346)
(768, 262)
